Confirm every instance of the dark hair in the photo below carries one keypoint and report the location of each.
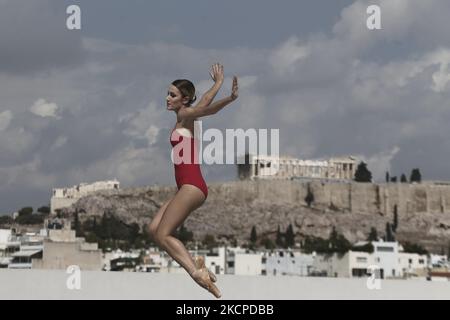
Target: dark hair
(186, 88)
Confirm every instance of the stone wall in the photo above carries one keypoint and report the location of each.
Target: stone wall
(353, 197)
(233, 208)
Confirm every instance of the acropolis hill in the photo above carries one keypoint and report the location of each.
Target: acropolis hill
(233, 208)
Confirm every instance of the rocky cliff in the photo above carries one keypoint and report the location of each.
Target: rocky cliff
(233, 208)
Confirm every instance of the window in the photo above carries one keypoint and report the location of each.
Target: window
(377, 259)
(421, 261)
(385, 249)
(359, 272)
(410, 261)
(361, 259)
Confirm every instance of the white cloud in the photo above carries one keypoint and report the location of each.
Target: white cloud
(284, 57)
(29, 174)
(144, 124)
(5, 119)
(151, 134)
(379, 163)
(44, 109)
(60, 141)
(16, 142)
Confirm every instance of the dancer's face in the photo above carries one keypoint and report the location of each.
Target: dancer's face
(175, 99)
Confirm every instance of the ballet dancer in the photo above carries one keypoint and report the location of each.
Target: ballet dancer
(192, 190)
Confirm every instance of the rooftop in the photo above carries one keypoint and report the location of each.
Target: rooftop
(51, 284)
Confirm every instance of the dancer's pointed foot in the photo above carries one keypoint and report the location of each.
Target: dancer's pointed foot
(202, 278)
(200, 264)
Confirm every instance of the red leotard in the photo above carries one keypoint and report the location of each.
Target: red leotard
(189, 172)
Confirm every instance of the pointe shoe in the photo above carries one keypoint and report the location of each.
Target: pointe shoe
(200, 264)
(201, 276)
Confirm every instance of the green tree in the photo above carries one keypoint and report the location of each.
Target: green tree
(253, 235)
(4, 220)
(448, 251)
(389, 234)
(184, 235)
(209, 241)
(395, 221)
(290, 237)
(30, 219)
(387, 176)
(134, 235)
(363, 174)
(403, 178)
(268, 244)
(338, 243)
(315, 244)
(44, 210)
(309, 199)
(26, 211)
(394, 179)
(279, 240)
(368, 247)
(373, 235)
(414, 248)
(76, 224)
(415, 176)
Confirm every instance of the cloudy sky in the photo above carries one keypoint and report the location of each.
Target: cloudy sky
(87, 105)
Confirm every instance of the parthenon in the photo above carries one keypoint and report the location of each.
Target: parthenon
(272, 167)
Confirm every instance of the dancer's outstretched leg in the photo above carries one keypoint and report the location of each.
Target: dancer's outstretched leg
(187, 199)
(153, 227)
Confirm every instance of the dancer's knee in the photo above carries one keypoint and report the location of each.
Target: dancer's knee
(160, 237)
(151, 229)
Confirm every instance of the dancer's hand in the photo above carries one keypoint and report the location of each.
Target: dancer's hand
(217, 73)
(234, 89)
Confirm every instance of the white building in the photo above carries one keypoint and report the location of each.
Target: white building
(351, 264)
(412, 264)
(386, 258)
(216, 261)
(439, 261)
(240, 261)
(274, 167)
(65, 197)
(285, 262)
(9, 244)
(31, 247)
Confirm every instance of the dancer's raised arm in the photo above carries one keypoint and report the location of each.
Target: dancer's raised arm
(216, 74)
(216, 106)
(206, 110)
